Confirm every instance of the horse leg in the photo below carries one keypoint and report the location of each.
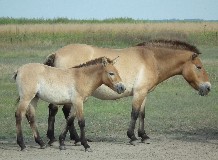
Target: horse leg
(63, 134)
(136, 105)
(30, 115)
(141, 130)
(19, 114)
(81, 122)
(73, 133)
(53, 109)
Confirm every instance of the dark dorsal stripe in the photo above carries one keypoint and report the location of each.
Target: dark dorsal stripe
(93, 62)
(174, 44)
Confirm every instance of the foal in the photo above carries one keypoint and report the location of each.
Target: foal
(61, 86)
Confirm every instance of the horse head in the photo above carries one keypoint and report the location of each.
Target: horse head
(111, 77)
(195, 74)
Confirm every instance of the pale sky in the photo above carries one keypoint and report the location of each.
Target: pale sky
(102, 9)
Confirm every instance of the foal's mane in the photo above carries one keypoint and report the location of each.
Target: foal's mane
(93, 62)
(175, 44)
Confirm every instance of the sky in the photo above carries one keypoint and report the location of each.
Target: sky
(104, 9)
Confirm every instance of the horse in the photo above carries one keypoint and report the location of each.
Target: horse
(61, 86)
(142, 68)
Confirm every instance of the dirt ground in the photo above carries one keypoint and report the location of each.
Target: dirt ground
(160, 147)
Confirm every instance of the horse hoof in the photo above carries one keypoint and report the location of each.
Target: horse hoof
(62, 147)
(146, 141)
(43, 147)
(24, 149)
(88, 150)
(51, 142)
(133, 142)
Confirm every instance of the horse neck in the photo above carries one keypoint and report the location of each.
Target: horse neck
(88, 79)
(171, 63)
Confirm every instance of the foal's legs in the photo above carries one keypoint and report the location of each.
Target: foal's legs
(69, 125)
(64, 132)
(138, 99)
(53, 109)
(30, 115)
(81, 122)
(19, 114)
(73, 133)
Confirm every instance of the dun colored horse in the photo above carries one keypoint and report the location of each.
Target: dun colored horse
(61, 86)
(142, 68)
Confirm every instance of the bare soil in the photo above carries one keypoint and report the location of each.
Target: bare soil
(159, 147)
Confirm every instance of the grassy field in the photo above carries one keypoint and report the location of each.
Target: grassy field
(173, 108)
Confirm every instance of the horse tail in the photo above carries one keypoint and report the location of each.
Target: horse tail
(14, 78)
(15, 75)
(17, 100)
(49, 61)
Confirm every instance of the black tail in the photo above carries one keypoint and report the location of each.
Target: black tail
(17, 100)
(15, 75)
(49, 61)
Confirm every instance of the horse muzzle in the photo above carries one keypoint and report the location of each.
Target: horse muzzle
(204, 88)
(120, 88)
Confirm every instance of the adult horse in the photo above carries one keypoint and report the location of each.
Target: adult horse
(61, 86)
(142, 68)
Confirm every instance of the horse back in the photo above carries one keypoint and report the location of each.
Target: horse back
(73, 55)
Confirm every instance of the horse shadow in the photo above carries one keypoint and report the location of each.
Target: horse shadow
(203, 135)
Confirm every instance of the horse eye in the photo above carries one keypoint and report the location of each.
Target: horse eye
(111, 73)
(198, 67)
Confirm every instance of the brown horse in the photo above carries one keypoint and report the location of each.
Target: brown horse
(61, 86)
(142, 68)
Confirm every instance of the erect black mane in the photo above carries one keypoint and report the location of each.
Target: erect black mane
(93, 62)
(175, 44)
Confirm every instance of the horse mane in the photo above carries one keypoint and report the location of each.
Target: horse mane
(93, 62)
(175, 44)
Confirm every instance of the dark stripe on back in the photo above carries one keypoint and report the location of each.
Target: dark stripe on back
(174, 44)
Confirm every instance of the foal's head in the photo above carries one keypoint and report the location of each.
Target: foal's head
(196, 76)
(111, 76)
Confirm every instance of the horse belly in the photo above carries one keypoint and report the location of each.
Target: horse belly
(55, 94)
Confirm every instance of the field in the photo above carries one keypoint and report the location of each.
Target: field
(181, 124)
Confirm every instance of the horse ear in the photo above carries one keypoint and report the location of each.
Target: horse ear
(115, 60)
(194, 55)
(104, 61)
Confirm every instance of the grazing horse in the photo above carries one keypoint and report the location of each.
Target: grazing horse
(142, 68)
(61, 86)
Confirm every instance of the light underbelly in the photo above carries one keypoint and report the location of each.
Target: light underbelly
(55, 99)
(56, 95)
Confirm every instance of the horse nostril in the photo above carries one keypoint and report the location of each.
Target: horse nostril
(208, 88)
(123, 88)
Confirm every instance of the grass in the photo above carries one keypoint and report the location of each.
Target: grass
(173, 108)
(104, 34)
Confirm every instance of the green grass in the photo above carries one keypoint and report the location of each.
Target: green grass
(7, 20)
(172, 108)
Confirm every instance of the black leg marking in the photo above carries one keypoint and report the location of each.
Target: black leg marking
(38, 139)
(73, 133)
(20, 140)
(143, 135)
(64, 133)
(83, 139)
(130, 132)
(141, 131)
(51, 120)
